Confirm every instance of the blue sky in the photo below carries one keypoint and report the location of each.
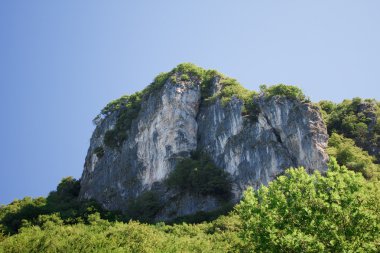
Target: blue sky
(62, 61)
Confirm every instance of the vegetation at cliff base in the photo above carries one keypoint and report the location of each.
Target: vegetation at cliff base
(297, 212)
(199, 175)
(145, 207)
(62, 203)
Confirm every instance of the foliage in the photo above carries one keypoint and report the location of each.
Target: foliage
(64, 202)
(11, 215)
(202, 216)
(354, 158)
(288, 91)
(357, 119)
(297, 212)
(199, 175)
(103, 236)
(312, 213)
(127, 107)
(99, 152)
(231, 88)
(145, 207)
(128, 110)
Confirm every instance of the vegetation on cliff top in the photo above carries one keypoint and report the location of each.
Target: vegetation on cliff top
(127, 107)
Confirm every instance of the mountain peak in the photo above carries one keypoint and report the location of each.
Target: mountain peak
(243, 138)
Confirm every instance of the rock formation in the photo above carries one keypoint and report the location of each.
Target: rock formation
(176, 119)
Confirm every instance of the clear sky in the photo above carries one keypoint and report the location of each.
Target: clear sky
(62, 61)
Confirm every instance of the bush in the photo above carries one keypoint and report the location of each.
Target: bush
(103, 236)
(128, 109)
(144, 207)
(99, 152)
(202, 216)
(311, 213)
(12, 215)
(199, 175)
(354, 158)
(283, 90)
(356, 119)
(114, 138)
(63, 202)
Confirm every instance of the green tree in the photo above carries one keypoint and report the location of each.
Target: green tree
(354, 158)
(339, 212)
(357, 119)
(199, 175)
(288, 91)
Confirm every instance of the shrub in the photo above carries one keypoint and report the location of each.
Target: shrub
(103, 236)
(99, 152)
(202, 216)
(63, 202)
(185, 77)
(283, 90)
(12, 215)
(356, 119)
(199, 175)
(114, 138)
(127, 110)
(145, 206)
(354, 158)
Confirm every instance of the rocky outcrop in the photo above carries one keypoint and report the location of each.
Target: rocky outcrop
(287, 133)
(176, 120)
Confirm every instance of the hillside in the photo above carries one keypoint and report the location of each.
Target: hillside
(226, 169)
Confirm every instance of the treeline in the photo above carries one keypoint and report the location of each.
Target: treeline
(297, 212)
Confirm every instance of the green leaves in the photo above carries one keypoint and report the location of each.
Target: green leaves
(297, 212)
(354, 158)
(198, 175)
(357, 119)
(145, 207)
(288, 91)
(312, 213)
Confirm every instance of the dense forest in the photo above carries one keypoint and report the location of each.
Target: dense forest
(337, 211)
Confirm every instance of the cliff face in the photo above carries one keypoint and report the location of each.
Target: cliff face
(175, 120)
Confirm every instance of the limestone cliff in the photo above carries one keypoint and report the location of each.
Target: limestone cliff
(186, 113)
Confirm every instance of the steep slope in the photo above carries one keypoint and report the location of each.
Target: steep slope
(357, 119)
(139, 140)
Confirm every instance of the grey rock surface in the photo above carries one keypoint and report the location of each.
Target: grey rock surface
(175, 121)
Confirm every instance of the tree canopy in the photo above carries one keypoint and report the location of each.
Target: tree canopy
(297, 212)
